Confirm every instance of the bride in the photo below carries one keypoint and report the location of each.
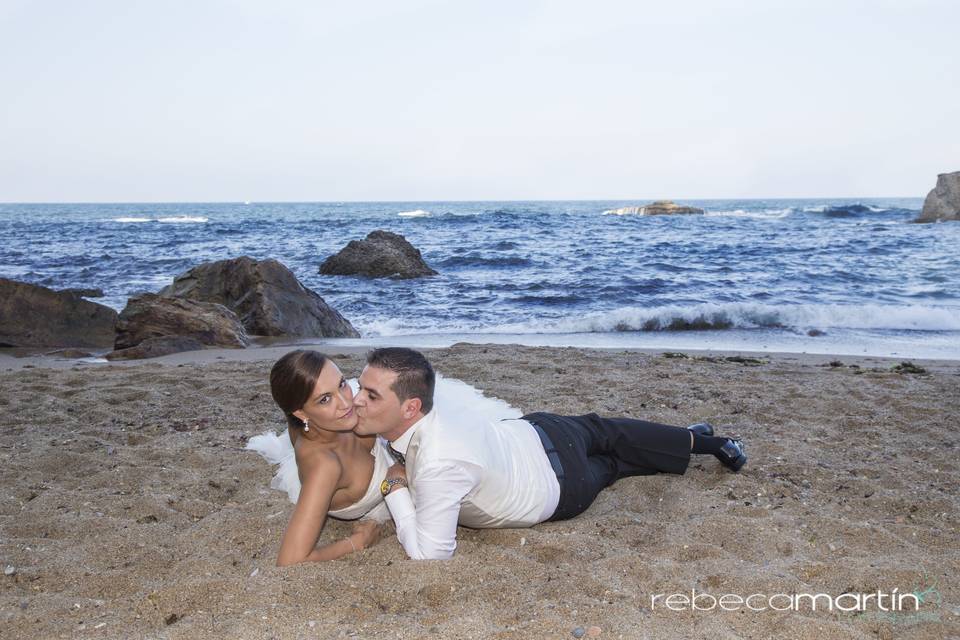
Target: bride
(328, 470)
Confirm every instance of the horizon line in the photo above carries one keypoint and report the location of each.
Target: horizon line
(348, 201)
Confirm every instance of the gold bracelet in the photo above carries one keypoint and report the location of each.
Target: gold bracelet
(350, 540)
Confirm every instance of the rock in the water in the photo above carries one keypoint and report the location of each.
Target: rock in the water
(84, 293)
(380, 255)
(658, 208)
(943, 203)
(265, 295)
(151, 316)
(69, 354)
(156, 347)
(35, 316)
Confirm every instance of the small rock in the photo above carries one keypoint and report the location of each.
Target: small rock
(908, 367)
(255, 572)
(9, 570)
(523, 541)
(312, 623)
(579, 632)
(831, 546)
(84, 293)
(594, 631)
(170, 619)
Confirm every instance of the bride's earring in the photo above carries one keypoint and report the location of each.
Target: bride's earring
(306, 424)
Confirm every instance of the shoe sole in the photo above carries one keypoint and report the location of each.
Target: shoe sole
(737, 463)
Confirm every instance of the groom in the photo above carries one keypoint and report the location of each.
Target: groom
(512, 473)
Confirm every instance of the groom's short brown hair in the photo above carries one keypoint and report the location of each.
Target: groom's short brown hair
(415, 376)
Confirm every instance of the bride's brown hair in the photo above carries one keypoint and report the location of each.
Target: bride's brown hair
(293, 379)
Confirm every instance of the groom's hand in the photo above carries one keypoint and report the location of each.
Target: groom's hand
(397, 471)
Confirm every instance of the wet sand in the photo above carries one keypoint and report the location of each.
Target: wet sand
(131, 509)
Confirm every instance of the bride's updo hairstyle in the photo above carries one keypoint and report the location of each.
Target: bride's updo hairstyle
(292, 380)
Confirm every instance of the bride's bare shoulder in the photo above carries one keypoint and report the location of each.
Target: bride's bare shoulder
(313, 461)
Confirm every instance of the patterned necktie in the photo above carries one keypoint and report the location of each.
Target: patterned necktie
(397, 456)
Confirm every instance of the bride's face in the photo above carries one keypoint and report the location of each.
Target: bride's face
(330, 406)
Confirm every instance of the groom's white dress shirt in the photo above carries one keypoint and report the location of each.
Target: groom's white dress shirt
(480, 474)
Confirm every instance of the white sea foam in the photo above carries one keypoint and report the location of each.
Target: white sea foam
(713, 317)
(182, 219)
(769, 214)
(131, 219)
(390, 327)
(753, 316)
(418, 213)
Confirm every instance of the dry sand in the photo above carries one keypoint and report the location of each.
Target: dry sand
(130, 509)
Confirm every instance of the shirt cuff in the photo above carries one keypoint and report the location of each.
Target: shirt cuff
(400, 504)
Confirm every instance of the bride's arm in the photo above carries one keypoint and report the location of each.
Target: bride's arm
(303, 530)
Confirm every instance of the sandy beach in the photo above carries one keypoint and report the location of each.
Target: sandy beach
(130, 508)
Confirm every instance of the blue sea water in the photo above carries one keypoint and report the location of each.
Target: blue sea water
(749, 275)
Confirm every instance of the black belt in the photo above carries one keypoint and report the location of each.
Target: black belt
(551, 452)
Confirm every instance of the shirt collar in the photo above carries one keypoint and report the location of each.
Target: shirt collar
(403, 442)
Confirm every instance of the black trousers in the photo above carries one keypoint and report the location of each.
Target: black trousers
(595, 452)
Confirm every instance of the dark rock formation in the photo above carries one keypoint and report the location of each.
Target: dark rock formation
(265, 295)
(35, 316)
(380, 255)
(151, 316)
(658, 208)
(155, 347)
(84, 293)
(943, 203)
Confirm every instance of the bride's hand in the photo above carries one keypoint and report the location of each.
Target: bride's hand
(365, 533)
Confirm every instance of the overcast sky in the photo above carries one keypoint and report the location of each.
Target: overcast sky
(227, 100)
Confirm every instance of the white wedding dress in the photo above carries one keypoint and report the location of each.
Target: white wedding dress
(451, 397)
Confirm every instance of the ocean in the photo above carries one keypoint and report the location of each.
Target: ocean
(815, 275)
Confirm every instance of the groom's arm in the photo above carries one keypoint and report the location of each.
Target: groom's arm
(428, 531)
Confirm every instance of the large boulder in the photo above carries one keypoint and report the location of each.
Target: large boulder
(380, 255)
(265, 295)
(943, 203)
(658, 208)
(35, 316)
(151, 316)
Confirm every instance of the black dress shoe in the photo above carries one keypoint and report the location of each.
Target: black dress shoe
(701, 428)
(732, 454)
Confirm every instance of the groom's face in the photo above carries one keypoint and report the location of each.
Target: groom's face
(379, 410)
